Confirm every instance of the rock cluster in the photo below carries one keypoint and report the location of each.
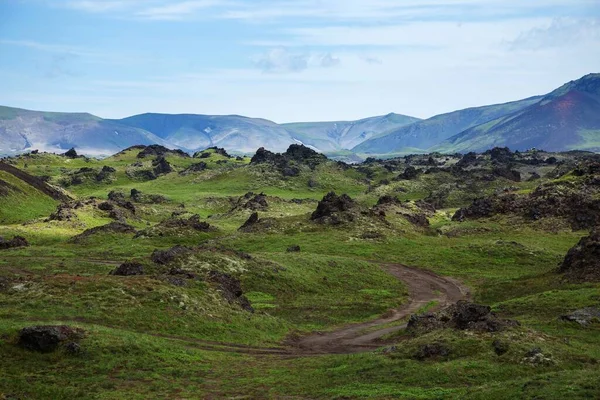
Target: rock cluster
(578, 205)
(287, 163)
(463, 316)
(156, 150)
(251, 201)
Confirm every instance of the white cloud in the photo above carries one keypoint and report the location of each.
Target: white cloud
(560, 32)
(332, 10)
(280, 60)
(178, 10)
(100, 6)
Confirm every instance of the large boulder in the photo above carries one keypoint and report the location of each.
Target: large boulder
(46, 339)
(582, 262)
(334, 209)
(161, 166)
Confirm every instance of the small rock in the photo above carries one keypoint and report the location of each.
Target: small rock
(128, 269)
(500, 347)
(433, 350)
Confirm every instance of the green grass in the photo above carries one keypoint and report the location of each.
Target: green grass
(23, 204)
(147, 338)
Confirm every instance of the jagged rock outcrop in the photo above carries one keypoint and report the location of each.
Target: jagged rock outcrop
(334, 209)
(582, 262)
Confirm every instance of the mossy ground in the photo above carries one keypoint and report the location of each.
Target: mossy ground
(148, 339)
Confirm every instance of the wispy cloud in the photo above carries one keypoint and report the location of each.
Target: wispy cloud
(100, 6)
(281, 60)
(371, 60)
(560, 32)
(178, 10)
(51, 48)
(65, 51)
(338, 10)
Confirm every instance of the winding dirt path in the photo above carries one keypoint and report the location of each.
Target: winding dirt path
(423, 287)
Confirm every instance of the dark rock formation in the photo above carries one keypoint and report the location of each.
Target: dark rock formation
(387, 199)
(17, 241)
(287, 163)
(253, 219)
(582, 262)
(293, 249)
(161, 166)
(578, 205)
(500, 347)
(417, 219)
(128, 269)
(192, 222)
(164, 257)
(46, 339)
(251, 201)
(106, 173)
(584, 316)
(113, 227)
(156, 150)
(230, 288)
(64, 212)
(409, 173)
(116, 196)
(334, 209)
(198, 167)
(71, 153)
(432, 351)
(463, 316)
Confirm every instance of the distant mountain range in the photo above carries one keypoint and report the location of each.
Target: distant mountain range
(565, 119)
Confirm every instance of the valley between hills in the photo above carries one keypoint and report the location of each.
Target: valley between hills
(153, 273)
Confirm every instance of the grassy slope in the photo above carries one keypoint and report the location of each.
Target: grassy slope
(329, 283)
(23, 204)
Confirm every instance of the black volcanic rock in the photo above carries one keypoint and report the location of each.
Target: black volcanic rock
(463, 315)
(71, 153)
(17, 241)
(156, 150)
(45, 339)
(230, 288)
(128, 269)
(161, 166)
(582, 262)
(333, 209)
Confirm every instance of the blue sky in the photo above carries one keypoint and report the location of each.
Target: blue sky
(290, 61)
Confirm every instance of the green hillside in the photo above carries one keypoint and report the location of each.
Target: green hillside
(182, 293)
